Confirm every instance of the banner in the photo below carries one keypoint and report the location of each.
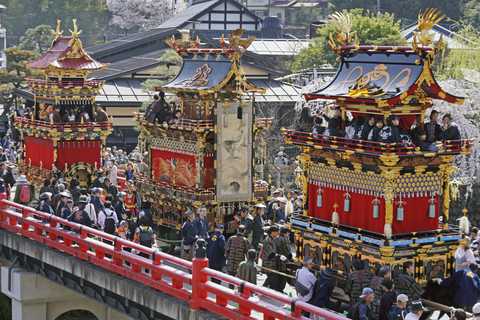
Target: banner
(234, 151)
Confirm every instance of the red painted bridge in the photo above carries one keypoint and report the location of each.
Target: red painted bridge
(190, 282)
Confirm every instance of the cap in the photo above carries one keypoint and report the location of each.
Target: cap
(366, 292)
(417, 306)
(96, 189)
(83, 199)
(260, 205)
(65, 194)
(476, 309)
(282, 200)
(402, 298)
(45, 195)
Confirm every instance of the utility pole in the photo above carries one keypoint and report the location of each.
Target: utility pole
(378, 6)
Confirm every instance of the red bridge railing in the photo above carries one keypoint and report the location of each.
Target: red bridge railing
(185, 280)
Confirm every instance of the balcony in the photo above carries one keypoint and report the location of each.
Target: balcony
(374, 149)
(64, 83)
(63, 130)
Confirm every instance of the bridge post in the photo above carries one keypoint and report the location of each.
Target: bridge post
(199, 262)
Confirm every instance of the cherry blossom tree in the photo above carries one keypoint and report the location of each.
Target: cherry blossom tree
(142, 14)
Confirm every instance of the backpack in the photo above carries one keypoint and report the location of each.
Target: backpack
(25, 194)
(109, 225)
(299, 287)
(146, 236)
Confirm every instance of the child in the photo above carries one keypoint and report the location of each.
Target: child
(247, 270)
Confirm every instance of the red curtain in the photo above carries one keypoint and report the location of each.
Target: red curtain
(71, 152)
(174, 168)
(39, 150)
(209, 171)
(360, 215)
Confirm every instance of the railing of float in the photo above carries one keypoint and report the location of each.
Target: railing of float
(372, 147)
(185, 280)
(64, 83)
(67, 126)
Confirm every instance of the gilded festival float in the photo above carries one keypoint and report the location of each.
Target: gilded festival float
(203, 156)
(61, 129)
(386, 203)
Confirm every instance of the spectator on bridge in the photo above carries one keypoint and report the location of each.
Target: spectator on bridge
(376, 284)
(387, 300)
(201, 223)
(247, 270)
(449, 130)
(123, 230)
(8, 179)
(399, 310)
(269, 256)
(79, 214)
(67, 210)
(405, 282)
(45, 203)
(357, 280)
(107, 218)
(362, 309)
(119, 206)
(305, 280)
(258, 225)
(46, 187)
(416, 311)
(464, 255)
(144, 234)
(323, 289)
(62, 203)
(465, 284)
(189, 236)
(216, 249)
(111, 189)
(57, 190)
(95, 199)
(236, 250)
(113, 172)
(432, 128)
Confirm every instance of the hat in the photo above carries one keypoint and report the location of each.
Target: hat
(260, 205)
(402, 298)
(417, 306)
(277, 191)
(96, 189)
(83, 199)
(45, 195)
(273, 228)
(65, 194)
(282, 200)
(366, 292)
(476, 309)
(22, 178)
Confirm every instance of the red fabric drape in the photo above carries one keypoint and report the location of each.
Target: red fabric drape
(209, 172)
(416, 217)
(71, 152)
(175, 168)
(39, 150)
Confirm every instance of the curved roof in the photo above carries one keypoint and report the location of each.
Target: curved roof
(383, 76)
(66, 53)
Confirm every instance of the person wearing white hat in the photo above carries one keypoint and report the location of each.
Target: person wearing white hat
(416, 311)
(476, 311)
(399, 310)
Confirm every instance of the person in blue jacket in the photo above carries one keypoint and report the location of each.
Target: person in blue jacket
(465, 285)
(216, 249)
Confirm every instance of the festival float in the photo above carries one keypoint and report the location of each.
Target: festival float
(60, 132)
(204, 156)
(385, 203)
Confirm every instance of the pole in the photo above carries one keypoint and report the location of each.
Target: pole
(378, 6)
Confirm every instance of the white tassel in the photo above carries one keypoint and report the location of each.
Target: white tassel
(335, 218)
(464, 225)
(387, 230)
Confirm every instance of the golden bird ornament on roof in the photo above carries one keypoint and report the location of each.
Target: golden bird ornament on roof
(342, 22)
(426, 21)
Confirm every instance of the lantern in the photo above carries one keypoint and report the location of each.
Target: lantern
(431, 207)
(400, 211)
(346, 202)
(376, 208)
(319, 198)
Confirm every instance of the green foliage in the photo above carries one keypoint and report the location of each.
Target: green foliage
(371, 28)
(472, 12)
(37, 39)
(14, 75)
(454, 62)
(21, 15)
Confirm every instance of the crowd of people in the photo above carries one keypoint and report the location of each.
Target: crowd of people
(56, 114)
(160, 111)
(377, 129)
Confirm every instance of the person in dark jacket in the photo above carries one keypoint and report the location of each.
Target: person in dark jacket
(398, 311)
(323, 289)
(335, 126)
(246, 220)
(45, 200)
(216, 249)
(405, 282)
(257, 226)
(158, 110)
(383, 273)
(387, 299)
(395, 131)
(201, 223)
(236, 250)
(112, 190)
(357, 280)
(247, 270)
(79, 214)
(269, 255)
(432, 128)
(189, 236)
(119, 206)
(465, 285)
(374, 134)
(362, 309)
(449, 130)
(366, 128)
(95, 199)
